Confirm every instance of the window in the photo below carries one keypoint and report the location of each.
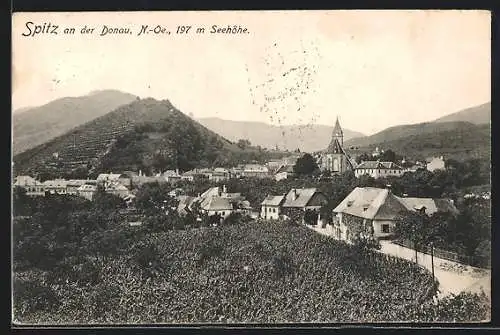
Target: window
(386, 228)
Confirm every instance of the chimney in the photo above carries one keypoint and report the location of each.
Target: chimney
(177, 171)
(295, 194)
(224, 189)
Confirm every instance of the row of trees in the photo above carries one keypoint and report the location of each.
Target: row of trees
(467, 234)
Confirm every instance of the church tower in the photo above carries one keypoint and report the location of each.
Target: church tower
(338, 133)
(335, 160)
(337, 141)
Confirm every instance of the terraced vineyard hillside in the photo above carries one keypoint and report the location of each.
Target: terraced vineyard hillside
(145, 134)
(37, 125)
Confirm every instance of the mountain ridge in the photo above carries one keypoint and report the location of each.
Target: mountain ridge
(146, 134)
(37, 125)
(480, 114)
(307, 138)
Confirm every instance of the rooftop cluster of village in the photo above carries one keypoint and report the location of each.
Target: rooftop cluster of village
(362, 203)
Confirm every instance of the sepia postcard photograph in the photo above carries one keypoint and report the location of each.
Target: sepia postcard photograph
(251, 167)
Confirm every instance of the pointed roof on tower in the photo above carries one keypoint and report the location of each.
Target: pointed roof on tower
(337, 130)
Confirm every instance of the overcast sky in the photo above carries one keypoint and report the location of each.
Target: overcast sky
(372, 69)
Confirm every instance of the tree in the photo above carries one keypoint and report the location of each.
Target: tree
(363, 157)
(388, 156)
(21, 202)
(243, 144)
(415, 227)
(305, 165)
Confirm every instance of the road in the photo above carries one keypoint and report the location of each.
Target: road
(453, 277)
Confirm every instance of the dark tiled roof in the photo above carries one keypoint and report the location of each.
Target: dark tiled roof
(304, 195)
(380, 204)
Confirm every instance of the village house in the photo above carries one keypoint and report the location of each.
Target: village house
(237, 172)
(116, 188)
(274, 165)
(56, 186)
(87, 191)
(298, 201)
(189, 175)
(217, 205)
(372, 212)
(215, 201)
(171, 176)
(219, 174)
(284, 172)
(32, 186)
(74, 184)
(435, 163)
(414, 168)
(271, 207)
(184, 205)
(138, 179)
(255, 170)
(122, 178)
(377, 169)
(335, 160)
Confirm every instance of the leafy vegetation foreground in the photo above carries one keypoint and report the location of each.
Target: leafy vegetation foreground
(247, 272)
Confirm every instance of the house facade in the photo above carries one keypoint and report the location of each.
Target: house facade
(377, 169)
(87, 191)
(215, 201)
(271, 207)
(284, 172)
(73, 185)
(255, 170)
(121, 178)
(56, 186)
(300, 201)
(32, 186)
(117, 189)
(372, 212)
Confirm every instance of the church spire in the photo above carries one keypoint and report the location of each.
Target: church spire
(338, 134)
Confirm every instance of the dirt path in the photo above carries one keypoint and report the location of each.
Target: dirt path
(453, 277)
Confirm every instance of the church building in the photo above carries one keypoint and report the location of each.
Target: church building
(335, 159)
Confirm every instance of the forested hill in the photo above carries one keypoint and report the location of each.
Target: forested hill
(37, 125)
(461, 135)
(147, 135)
(458, 140)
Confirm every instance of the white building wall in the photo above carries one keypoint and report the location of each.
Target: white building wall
(378, 226)
(270, 212)
(223, 213)
(377, 173)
